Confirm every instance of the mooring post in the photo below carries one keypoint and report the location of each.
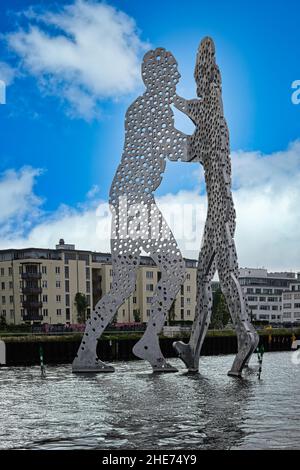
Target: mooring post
(43, 371)
(2, 353)
(260, 352)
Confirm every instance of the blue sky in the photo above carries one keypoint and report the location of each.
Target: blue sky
(43, 125)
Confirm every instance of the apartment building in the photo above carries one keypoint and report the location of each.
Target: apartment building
(39, 285)
(291, 305)
(264, 290)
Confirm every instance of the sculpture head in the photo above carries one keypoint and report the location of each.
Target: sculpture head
(160, 69)
(206, 70)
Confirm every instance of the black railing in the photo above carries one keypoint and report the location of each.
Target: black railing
(31, 275)
(32, 304)
(31, 290)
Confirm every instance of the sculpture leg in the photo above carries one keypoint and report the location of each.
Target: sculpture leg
(247, 336)
(172, 268)
(124, 277)
(190, 353)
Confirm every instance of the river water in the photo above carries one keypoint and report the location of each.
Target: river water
(134, 409)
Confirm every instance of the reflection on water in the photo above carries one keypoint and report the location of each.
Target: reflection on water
(134, 409)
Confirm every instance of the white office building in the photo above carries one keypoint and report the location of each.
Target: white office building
(264, 290)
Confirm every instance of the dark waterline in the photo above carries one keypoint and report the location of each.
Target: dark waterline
(134, 409)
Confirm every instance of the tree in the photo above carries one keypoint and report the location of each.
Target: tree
(172, 314)
(3, 324)
(220, 313)
(137, 316)
(81, 306)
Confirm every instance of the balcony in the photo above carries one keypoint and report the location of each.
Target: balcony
(31, 275)
(34, 317)
(31, 290)
(29, 304)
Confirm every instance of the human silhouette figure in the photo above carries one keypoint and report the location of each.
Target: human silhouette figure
(209, 145)
(150, 138)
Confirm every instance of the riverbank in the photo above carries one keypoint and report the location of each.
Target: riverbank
(57, 349)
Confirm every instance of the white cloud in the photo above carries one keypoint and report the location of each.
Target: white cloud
(19, 206)
(266, 196)
(82, 53)
(7, 73)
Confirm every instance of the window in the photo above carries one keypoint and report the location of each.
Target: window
(286, 315)
(22, 312)
(11, 285)
(67, 272)
(67, 314)
(182, 301)
(188, 276)
(88, 299)
(296, 305)
(87, 273)
(58, 298)
(274, 307)
(20, 269)
(44, 284)
(21, 284)
(182, 290)
(2, 271)
(88, 286)
(253, 307)
(149, 274)
(149, 287)
(4, 313)
(12, 314)
(58, 284)
(188, 288)
(45, 312)
(3, 285)
(264, 307)
(267, 291)
(68, 300)
(262, 299)
(264, 317)
(44, 269)
(188, 312)
(257, 291)
(134, 300)
(287, 296)
(45, 298)
(67, 286)
(57, 270)
(249, 291)
(110, 272)
(297, 296)
(181, 314)
(11, 299)
(188, 301)
(148, 312)
(3, 299)
(21, 298)
(88, 313)
(287, 305)
(10, 271)
(251, 298)
(149, 300)
(58, 311)
(272, 299)
(123, 313)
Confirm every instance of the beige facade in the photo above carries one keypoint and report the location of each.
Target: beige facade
(39, 286)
